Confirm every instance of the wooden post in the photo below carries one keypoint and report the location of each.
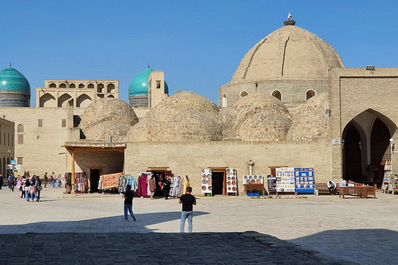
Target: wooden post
(73, 173)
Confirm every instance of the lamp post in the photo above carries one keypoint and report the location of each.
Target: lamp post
(251, 164)
(391, 152)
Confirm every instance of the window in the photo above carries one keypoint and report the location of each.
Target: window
(277, 94)
(90, 86)
(309, 94)
(111, 87)
(76, 121)
(19, 160)
(40, 122)
(157, 83)
(63, 123)
(244, 94)
(53, 85)
(20, 128)
(62, 85)
(81, 85)
(100, 88)
(20, 138)
(72, 86)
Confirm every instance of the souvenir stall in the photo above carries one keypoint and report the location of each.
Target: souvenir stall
(271, 181)
(386, 185)
(207, 182)
(253, 185)
(109, 181)
(68, 182)
(232, 181)
(304, 180)
(125, 180)
(81, 182)
(176, 184)
(285, 181)
(143, 184)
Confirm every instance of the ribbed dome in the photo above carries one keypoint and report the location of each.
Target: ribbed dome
(288, 53)
(260, 117)
(11, 80)
(311, 119)
(185, 116)
(107, 117)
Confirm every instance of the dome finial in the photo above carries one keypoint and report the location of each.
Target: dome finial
(290, 21)
(10, 64)
(148, 66)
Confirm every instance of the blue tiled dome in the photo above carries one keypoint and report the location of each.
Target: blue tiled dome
(11, 80)
(139, 85)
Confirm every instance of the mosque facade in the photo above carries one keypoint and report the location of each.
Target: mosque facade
(291, 102)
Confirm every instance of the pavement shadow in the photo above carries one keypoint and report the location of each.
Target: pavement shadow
(364, 246)
(113, 224)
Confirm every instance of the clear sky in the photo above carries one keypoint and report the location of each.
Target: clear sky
(198, 44)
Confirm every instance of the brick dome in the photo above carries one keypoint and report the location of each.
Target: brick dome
(185, 116)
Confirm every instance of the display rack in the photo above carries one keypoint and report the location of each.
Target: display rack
(207, 182)
(232, 181)
(304, 180)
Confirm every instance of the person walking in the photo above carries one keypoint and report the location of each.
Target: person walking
(128, 203)
(11, 180)
(1, 181)
(187, 200)
(26, 189)
(38, 188)
(166, 187)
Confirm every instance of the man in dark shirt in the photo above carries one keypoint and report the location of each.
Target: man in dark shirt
(128, 203)
(187, 201)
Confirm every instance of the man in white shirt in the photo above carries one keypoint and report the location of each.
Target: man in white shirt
(343, 183)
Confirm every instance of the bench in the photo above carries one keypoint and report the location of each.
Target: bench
(322, 188)
(361, 191)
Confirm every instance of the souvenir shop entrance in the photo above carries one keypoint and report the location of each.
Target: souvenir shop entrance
(218, 181)
(94, 179)
(94, 159)
(157, 172)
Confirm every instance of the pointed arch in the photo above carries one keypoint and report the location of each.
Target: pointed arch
(83, 101)
(309, 94)
(110, 88)
(243, 94)
(65, 100)
(47, 100)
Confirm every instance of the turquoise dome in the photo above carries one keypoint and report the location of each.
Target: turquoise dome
(11, 80)
(139, 85)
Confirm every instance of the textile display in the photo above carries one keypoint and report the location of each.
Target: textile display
(176, 184)
(110, 180)
(142, 185)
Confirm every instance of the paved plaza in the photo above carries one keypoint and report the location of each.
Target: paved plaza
(356, 230)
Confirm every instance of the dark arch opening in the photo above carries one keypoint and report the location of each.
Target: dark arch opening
(277, 95)
(352, 154)
(380, 146)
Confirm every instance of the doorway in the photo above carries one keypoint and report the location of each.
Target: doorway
(94, 180)
(218, 180)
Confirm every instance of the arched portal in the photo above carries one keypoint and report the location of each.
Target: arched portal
(83, 101)
(65, 100)
(366, 147)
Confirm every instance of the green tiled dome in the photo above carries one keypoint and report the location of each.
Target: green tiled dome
(11, 80)
(139, 85)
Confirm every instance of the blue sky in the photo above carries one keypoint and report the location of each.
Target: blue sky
(198, 44)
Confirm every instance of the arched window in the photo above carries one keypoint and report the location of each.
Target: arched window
(81, 85)
(310, 93)
(277, 94)
(65, 100)
(53, 85)
(110, 87)
(83, 101)
(20, 128)
(224, 101)
(48, 100)
(62, 85)
(243, 94)
(72, 85)
(90, 86)
(111, 96)
(100, 88)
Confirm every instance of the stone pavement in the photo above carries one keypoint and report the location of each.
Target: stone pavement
(153, 248)
(352, 229)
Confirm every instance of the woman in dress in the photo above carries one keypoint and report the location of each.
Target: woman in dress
(152, 186)
(38, 188)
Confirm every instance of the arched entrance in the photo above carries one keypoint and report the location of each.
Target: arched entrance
(366, 147)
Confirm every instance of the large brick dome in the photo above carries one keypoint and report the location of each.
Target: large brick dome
(288, 53)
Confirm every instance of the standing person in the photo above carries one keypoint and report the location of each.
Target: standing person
(26, 189)
(53, 177)
(128, 203)
(23, 187)
(1, 181)
(38, 188)
(11, 180)
(187, 200)
(32, 190)
(152, 186)
(166, 187)
(45, 180)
